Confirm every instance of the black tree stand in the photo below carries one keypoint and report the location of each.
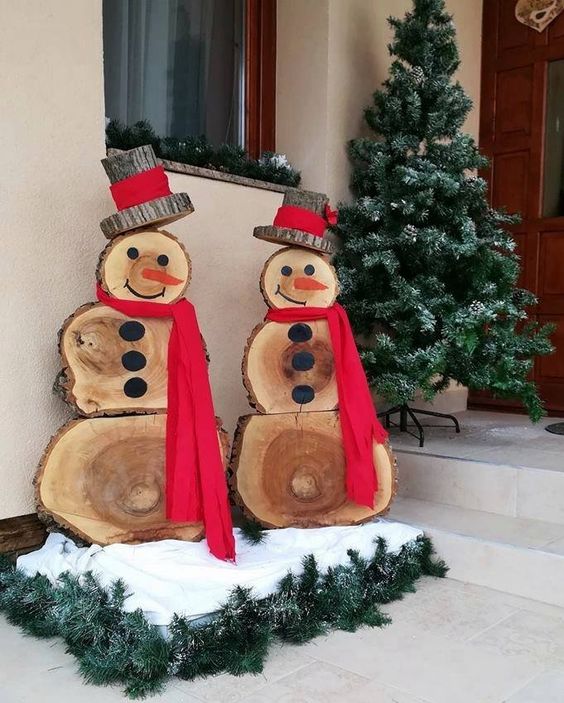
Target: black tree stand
(555, 428)
(404, 410)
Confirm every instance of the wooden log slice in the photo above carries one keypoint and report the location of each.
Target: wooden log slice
(150, 265)
(113, 364)
(289, 470)
(161, 211)
(288, 270)
(103, 479)
(284, 236)
(282, 375)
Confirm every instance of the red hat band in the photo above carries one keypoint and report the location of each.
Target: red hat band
(140, 188)
(293, 217)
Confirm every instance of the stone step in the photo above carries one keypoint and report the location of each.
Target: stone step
(512, 554)
(486, 485)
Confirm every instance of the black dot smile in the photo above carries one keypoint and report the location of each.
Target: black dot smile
(290, 300)
(140, 295)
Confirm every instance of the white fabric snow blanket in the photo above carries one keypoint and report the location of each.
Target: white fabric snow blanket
(171, 576)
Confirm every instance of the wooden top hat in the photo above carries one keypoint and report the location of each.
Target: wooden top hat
(302, 220)
(139, 187)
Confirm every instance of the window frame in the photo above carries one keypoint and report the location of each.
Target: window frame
(260, 76)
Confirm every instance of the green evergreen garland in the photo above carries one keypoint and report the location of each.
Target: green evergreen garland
(198, 151)
(116, 647)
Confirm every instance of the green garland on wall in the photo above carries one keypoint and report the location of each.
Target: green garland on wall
(198, 151)
(116, 647)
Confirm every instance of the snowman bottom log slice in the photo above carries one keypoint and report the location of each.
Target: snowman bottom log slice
(288, 470)
(103, 479)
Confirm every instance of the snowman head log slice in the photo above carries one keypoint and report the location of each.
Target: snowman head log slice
(295, 277)
(289, 366)
(145, 265)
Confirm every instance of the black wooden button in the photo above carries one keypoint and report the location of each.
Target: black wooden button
(131, 331)
(303, 361)
(133, 361)
(300, 332)
(303, 394)
(135, 387)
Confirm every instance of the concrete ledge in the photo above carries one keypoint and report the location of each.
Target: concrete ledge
(514, 491)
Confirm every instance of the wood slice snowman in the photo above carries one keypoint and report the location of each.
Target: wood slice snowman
(103, 475)
(288, 463)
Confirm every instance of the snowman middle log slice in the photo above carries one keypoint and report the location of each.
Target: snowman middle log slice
(288, 462)
(103, 475)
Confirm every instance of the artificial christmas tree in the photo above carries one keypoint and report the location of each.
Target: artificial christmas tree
(428, 273)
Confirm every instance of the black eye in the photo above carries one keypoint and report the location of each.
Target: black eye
(132, 252)
(162, 260)
(286, 270)
(309, 270)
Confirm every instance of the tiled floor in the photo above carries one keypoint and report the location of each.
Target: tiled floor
(448, 643)
(504, 438)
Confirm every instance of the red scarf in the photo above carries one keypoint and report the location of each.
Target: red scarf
(195, 479)
(359, 423)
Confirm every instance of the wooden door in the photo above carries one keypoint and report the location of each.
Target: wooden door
(516, 66)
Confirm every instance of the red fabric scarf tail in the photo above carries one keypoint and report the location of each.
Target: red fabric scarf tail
(195, 479)
(359, 424)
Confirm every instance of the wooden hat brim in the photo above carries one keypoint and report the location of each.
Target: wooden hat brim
(159, 211)
(284, 235)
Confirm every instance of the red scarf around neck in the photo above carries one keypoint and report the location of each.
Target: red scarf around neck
(359, 424)
(195, 479)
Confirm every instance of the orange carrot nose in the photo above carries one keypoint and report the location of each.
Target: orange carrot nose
(308, 284)
(161, 277)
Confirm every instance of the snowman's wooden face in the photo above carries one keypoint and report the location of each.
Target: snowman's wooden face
(298, 277)
(149, 265)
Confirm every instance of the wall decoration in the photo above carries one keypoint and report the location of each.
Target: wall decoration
(538, 14)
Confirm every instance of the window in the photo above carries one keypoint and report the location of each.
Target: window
(553, 201)
(192, 67)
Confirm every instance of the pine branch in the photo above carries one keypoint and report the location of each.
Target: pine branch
(253, 532)
(198, 151)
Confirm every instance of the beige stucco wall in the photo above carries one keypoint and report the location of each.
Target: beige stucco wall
(226, 265)
(53, 193)
(332, 55)
(51, 199)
